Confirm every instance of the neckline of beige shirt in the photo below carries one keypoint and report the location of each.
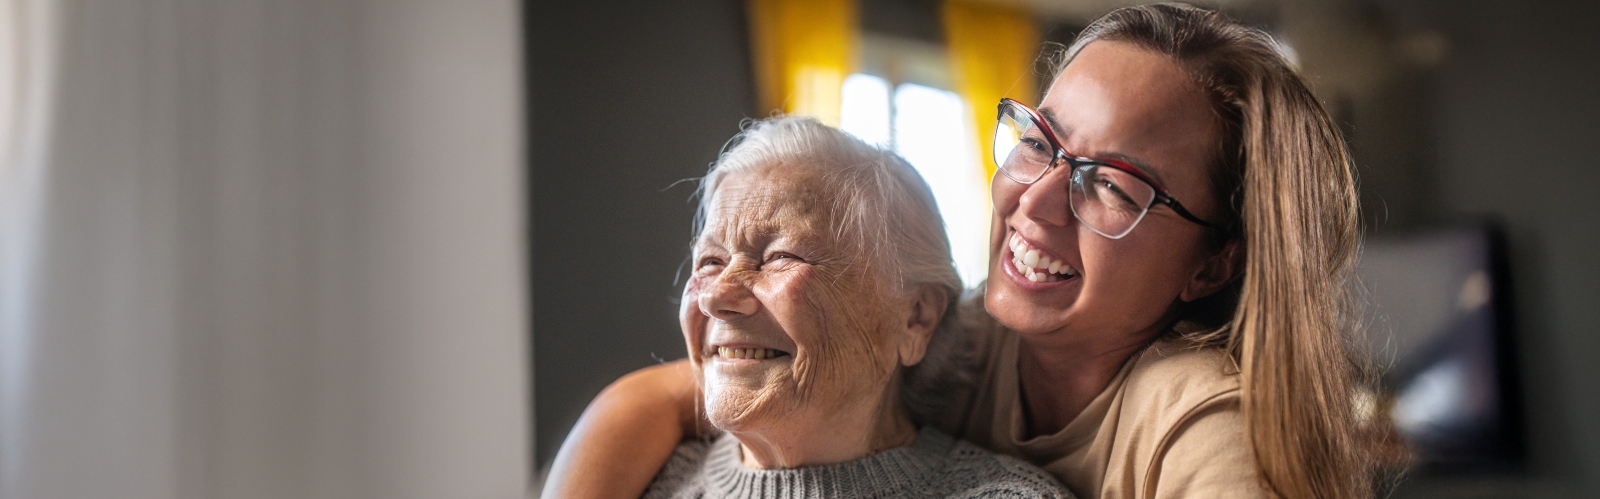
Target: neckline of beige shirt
(1168, 425)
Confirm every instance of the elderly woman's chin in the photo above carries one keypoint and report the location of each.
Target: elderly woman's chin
(745, 396)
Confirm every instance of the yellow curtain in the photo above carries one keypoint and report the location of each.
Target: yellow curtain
(803, 49)
(992, 52)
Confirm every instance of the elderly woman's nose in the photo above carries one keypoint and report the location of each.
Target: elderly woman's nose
(1046, 200)
(728, 298)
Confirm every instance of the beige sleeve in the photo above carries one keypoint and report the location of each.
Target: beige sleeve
(1206, 455)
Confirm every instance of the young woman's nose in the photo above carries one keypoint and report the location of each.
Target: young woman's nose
(728, 298)
(1046, 200)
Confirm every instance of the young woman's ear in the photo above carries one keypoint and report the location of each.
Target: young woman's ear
(1219, 269)
(927, 309)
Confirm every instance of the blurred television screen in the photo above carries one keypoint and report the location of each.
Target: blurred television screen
(1437, 314)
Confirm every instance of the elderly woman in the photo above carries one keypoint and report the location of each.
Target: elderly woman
(1164, 315)
(821, 273)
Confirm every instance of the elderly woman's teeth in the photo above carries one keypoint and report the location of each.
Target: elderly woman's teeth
(1036, 266)
(747, 353)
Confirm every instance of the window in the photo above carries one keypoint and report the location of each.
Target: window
(930, 127)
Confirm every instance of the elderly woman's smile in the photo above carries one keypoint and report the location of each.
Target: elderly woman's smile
(820, 274)
(748, 353)
(783, 316)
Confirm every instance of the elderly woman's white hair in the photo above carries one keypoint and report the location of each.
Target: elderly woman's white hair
(882, 207)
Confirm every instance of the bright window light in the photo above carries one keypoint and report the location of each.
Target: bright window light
(931, 131)
(864, 108)
(929, 127)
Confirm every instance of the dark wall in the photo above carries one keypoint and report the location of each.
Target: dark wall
(1513, 133)
(626, 98)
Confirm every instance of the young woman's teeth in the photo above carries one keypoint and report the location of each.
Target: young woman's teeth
(747, 353)
(1035, 265)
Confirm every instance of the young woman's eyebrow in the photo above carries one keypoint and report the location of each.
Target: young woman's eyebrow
(1135, 162)
(1055, 126)
(1063, 132)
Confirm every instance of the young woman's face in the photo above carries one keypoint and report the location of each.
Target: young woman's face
(1115, 100)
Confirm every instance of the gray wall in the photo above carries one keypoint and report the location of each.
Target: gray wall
(1512, 119)
(627, 98)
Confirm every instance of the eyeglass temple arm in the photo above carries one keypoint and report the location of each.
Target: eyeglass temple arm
(1177, 207)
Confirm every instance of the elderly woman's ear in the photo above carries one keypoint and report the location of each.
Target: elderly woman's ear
(926, 308)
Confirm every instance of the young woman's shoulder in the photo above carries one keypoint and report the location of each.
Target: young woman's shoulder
(1173, 373)
(1186, 401)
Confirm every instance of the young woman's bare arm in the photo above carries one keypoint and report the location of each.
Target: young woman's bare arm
(626, 434)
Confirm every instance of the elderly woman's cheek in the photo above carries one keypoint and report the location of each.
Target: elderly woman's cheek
(853, 319)
(690, 318)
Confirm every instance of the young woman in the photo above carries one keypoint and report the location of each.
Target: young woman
(1174, 228)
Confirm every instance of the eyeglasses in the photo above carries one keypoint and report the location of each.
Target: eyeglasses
(1108, 196)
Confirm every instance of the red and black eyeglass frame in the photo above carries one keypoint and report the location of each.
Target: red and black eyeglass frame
(1077, 162)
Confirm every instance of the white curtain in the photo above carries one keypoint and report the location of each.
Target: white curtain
(262, 248)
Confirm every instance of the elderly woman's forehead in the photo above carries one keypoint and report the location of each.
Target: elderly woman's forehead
(771, 195)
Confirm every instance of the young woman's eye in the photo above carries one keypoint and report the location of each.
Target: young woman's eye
(1117, 195)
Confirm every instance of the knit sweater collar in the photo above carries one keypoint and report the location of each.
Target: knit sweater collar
(886, 473)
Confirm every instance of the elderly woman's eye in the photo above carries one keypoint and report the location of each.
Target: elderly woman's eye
(780, 256)
(709, 262)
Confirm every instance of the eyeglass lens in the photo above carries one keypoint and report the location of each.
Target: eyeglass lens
(1020, 148)
(1107, 200)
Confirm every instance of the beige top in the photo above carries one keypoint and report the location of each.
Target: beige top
(1168, 425)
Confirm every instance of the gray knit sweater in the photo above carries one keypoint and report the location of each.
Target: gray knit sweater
(935, 465)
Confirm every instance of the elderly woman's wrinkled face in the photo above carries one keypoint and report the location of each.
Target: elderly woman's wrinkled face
(784, 324)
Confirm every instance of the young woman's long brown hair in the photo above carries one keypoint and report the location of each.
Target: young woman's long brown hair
(1283, 173)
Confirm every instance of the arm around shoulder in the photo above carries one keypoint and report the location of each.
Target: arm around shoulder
(626, 434)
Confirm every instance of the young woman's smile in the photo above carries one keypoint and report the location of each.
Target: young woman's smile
(1035, 267)
(1052, 272)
